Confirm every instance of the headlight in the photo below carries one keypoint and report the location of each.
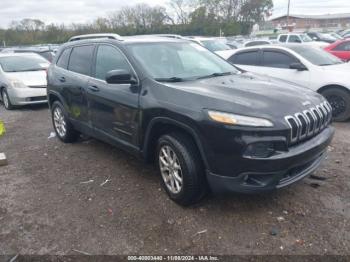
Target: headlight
(17, 84)
(239, 120)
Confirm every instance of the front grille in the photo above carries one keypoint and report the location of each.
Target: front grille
(308, 123)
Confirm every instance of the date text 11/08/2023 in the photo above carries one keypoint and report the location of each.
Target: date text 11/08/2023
(173, 258)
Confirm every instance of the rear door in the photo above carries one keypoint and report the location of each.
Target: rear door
(75, 83)
(276, 63)
(247, 60)
(114, 107)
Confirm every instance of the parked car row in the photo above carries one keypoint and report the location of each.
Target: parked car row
(46, 51)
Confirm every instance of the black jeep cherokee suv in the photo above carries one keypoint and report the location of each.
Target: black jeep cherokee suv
(205, 123)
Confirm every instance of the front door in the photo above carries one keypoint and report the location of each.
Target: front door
(276, 64)
(114, 107)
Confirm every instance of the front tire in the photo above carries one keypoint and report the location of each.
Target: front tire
(63, 128)
(181, 169)
(6, 100)
(340, 102)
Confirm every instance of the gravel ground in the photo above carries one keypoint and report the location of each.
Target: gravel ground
(53, 200)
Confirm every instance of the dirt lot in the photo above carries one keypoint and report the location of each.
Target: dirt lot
(46, 208)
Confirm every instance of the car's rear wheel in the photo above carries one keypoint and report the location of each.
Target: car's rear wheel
(181, 168)
(340, 102)
(63, 128)
(6, 99)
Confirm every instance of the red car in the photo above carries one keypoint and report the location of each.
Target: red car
(340, 49)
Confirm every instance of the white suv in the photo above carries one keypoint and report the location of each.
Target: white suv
(300, 39)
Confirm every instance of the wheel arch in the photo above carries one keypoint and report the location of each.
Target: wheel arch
(163, 125)
(53, 96)
(1, 88)
(322, 89)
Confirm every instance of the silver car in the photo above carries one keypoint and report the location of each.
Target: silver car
(22, 79)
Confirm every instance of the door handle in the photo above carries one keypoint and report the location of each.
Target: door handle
(62, 79)
(94, 88)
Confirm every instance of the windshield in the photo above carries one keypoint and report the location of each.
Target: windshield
(316, 56)
(23, 63)
(305, 38)
(179, 61)
(215, 45)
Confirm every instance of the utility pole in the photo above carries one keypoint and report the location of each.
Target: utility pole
(288, 15)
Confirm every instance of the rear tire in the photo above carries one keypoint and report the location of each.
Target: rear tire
(6, 99)
(187, 171)
(63, 128)
(340, 102)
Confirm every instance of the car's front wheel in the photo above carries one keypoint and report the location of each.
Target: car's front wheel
(340, 102)
(181, 168)
(6, 99)
(63, 128)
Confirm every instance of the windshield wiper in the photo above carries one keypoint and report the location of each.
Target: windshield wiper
(215, 75)
(34, 69)
(170, 79)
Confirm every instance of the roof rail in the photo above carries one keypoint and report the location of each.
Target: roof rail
(94, 36)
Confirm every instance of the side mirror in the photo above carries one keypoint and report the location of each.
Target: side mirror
(298, 66)
(120, 77)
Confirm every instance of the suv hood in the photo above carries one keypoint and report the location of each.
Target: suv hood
(30, 78)
(248, 94)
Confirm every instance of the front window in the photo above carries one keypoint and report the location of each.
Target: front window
(23, 63)
(316, 56)
(179, 61)
(109, 58)
(305, 38)
(215, 45)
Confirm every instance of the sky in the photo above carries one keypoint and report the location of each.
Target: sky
(80, 11)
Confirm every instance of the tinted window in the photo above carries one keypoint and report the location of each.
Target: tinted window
(283, 38)
(277, 59)
(343, 47)
(109, 58)
(80, 59)
(64, 58)
(294, 39)
(246, 58)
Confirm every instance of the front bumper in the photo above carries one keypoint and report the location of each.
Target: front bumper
(277, 171)
(26, 96)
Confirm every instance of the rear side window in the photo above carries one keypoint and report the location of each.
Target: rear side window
(246, 58)
(81, 59)
(277, 59)
(283, 38)
(109, 58)
(64, 58)
(343, 47)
